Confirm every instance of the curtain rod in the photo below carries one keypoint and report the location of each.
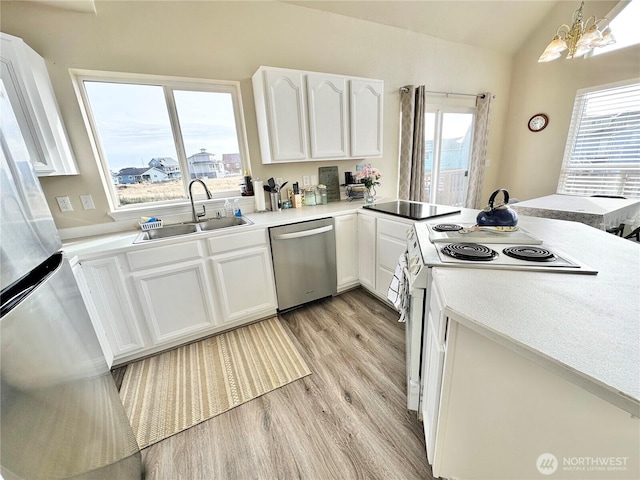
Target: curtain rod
(481, 95)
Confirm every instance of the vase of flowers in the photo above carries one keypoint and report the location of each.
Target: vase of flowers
(369, 177)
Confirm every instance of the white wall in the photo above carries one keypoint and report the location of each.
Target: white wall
(531, 162)
(229, 41)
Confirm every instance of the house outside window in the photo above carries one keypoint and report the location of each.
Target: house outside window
(155, 134)
(448, 140)
(602, 154)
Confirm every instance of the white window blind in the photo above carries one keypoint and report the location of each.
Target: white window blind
(602, 155)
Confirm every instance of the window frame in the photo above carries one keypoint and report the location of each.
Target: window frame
(169, 84)
(570, 161)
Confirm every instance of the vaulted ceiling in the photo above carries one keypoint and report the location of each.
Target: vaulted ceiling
(494, 24)
(500, 25)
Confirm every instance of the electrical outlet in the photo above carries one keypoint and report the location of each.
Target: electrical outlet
(65, 204)
(87, 202)
(305, 181)
(279, 181)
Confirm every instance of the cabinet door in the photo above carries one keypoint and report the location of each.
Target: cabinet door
(286, 115)
(391, 243)
(245, 284)
(26, 80)
(366, 118)
(328, 127)
(346, 227)
(434, 354)
(113, 304)
(367, 251)
(176, 300)
(93, 313)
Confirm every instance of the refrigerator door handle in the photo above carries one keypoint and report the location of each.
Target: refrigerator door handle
(15, 293)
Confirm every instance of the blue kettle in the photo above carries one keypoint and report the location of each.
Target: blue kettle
(500, 216)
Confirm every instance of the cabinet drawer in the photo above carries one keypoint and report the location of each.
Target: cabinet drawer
(397, 230)
(236, 241)
(157, 256)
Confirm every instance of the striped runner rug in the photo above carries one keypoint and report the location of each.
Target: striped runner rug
(175, 390)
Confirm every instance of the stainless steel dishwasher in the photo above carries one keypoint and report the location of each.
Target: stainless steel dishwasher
(304, 261)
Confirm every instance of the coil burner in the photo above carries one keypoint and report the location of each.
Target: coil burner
(447, 227)
(530, 253)
(469, 251)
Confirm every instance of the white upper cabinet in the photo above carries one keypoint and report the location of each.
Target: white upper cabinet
(328, 127)
(366, 118)
(26, 81)
(282, 119)
(306, 116)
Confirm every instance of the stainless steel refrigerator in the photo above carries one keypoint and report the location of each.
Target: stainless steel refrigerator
(61, 416)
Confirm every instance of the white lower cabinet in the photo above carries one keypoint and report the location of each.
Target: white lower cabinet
(152, 298)
(491, 410)
(176, 300)
(391, 243)
(346, 229)
(367, 251)
(83, 286)
(114, 305)
(247, 286)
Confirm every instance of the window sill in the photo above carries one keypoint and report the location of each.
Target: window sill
(179, 212)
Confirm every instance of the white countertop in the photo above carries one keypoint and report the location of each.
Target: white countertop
(584, 327)
(98, 245)
(598, 212)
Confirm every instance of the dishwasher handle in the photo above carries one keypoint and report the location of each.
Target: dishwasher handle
(303, 233)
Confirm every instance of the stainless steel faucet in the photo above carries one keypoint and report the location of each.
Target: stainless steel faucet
(197, 216)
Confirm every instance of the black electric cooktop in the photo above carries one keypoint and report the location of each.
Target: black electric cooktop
(412, 210)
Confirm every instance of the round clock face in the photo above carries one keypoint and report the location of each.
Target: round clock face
(538, 122)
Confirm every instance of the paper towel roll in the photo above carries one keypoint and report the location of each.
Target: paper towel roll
(259, 195)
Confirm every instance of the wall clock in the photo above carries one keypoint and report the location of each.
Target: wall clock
(538, 122)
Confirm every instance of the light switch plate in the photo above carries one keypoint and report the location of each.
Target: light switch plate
(87, 202)
(65, 204)
(305, 181)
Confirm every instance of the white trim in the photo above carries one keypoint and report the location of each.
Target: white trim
(168, 84)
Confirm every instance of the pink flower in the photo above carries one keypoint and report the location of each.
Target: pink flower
(369, 176)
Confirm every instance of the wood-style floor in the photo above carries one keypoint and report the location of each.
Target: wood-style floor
(347, 420)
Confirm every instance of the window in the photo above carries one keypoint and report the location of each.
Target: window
(624, 27)
(602, 155)
(448, 140)
(155, 134)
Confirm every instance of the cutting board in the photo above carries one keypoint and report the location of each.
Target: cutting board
(329, 176)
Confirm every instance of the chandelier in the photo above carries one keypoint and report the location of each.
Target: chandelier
(579, 38)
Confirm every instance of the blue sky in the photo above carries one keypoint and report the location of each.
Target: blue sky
(133, 122)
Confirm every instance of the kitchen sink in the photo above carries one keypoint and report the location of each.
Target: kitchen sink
(191, 228)
(216, 223)
(168, 231)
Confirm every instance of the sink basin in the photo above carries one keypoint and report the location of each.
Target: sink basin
(191, 228)
(216, 223)
(168, 231)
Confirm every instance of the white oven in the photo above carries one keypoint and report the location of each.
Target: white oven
(418, 277)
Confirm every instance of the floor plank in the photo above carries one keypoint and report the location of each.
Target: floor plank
(347, 420)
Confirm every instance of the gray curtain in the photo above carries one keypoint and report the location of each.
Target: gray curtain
(479, 152)
(412, 104)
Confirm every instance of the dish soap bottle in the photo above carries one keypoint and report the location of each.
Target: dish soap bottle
(228, 209)
(236, 208)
